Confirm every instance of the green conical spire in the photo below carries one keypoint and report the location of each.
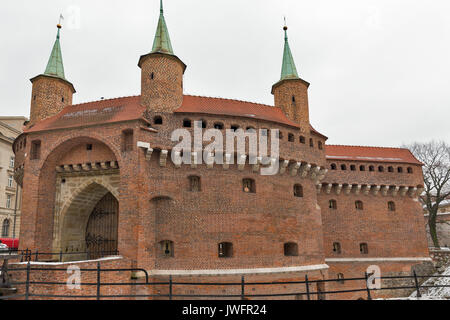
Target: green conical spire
(288, 71)
(162, 40)
(55, 65)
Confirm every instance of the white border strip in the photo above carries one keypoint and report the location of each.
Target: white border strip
(377, 259)
(221, 272)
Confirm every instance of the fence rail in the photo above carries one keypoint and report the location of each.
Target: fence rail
(36, 256)
(170, 285)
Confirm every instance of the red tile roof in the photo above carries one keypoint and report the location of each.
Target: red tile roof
(104, 111)
(129, 108)
(227, 107)
(370, 154)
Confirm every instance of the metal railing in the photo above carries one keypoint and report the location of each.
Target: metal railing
(309, 292)
(36, 256)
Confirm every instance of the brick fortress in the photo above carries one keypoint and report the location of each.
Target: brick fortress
(98, 177)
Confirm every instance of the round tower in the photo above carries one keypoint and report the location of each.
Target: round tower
(161, 73)
(291, 92)
(51, 92)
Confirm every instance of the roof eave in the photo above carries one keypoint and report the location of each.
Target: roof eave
(54, 77)
(279, 83)
(172, 56)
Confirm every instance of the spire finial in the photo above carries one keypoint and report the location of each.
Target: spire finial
(289, 71)
(285, 28)
(162, 40)
(55, 65)
(59, 26)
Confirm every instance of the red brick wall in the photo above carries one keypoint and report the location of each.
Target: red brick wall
(47, 97)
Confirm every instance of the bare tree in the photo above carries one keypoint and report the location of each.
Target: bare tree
(436, 173)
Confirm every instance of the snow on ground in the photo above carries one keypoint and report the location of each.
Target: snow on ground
(435, 293)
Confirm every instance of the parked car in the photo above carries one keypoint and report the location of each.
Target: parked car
(3, 247)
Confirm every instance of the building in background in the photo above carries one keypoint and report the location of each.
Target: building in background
(10, 195)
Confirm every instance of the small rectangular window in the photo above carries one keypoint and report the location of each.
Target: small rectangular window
(363, 248)
(194, 184)
(249, 185)
(8, 201)
(10, 181)
(127, 140)
(11, 162)
(225, 250)
(167, 248)
(35, 150)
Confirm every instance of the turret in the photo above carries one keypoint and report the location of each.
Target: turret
(291, 92)
(51, 92)
(161, 73)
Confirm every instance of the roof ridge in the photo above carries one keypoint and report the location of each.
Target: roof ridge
(358, 146)
(228, 99)
(104, 100)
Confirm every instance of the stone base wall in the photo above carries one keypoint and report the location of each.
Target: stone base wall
(387, 269)
(58, 273)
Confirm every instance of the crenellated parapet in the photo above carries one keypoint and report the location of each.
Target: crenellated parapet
(384, 190)
(288, 167)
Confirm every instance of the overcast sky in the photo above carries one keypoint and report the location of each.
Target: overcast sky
(379, 70)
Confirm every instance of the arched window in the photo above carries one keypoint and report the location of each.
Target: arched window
(352, 167)
(280, 135)
(362, 168)
(380, 169)
(225, 250)
(152, 75)
(400, 170)
(291, 137)
(218, 126)
(363, 248)
(359, 205)
(249, 186)
(298, 191)
(167, 248)
(332, 204)
(333, 166)
(391, 206)
(293, 100)
(234, 127)
(158, 120)
(390, 169)
(127, 140)
(337, 248)
(187, 123)
(5, 228)
(371, 168)
(410, 170)
(194, 184)
(343, 167)
(290, 249)
(264, 132)
(340, 278)
(311, 143)
(302, 139)
(320, 145)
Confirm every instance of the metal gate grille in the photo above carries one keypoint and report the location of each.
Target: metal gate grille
(101, 231)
